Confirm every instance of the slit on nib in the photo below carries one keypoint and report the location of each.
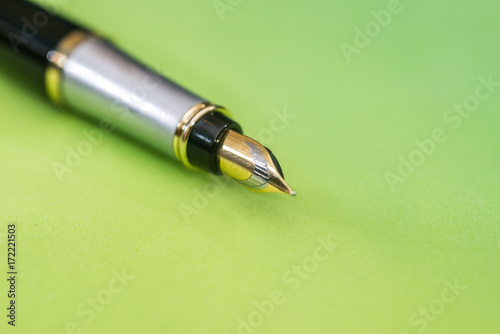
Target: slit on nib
(251, 164)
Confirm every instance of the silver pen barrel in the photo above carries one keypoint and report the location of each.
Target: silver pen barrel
(94, 77)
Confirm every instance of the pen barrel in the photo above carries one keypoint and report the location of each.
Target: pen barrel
(84, 72)
(101, 81)
(89, 74)
(31, 31)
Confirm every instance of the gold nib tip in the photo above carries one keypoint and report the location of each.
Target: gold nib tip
(278, 184)
(252, 165)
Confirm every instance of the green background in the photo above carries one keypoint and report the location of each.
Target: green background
(398, 245)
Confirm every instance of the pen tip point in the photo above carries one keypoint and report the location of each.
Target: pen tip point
(251, 164)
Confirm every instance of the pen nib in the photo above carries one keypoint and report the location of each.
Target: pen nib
(251, 164)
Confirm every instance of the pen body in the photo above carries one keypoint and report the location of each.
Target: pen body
(31, 31)
(103, 82)
(89, 74)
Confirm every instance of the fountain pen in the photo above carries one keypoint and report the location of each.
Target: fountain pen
(81, 71)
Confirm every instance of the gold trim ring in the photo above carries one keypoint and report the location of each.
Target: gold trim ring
(185, 126)
(57, 58)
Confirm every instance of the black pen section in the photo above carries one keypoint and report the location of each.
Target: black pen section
(29, 32)
(205, 138)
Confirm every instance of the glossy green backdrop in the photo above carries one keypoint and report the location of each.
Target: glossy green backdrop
(405, 187)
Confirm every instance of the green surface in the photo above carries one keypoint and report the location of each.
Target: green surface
(202, 264)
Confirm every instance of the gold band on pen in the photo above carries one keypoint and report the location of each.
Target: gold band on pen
(57, 58)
